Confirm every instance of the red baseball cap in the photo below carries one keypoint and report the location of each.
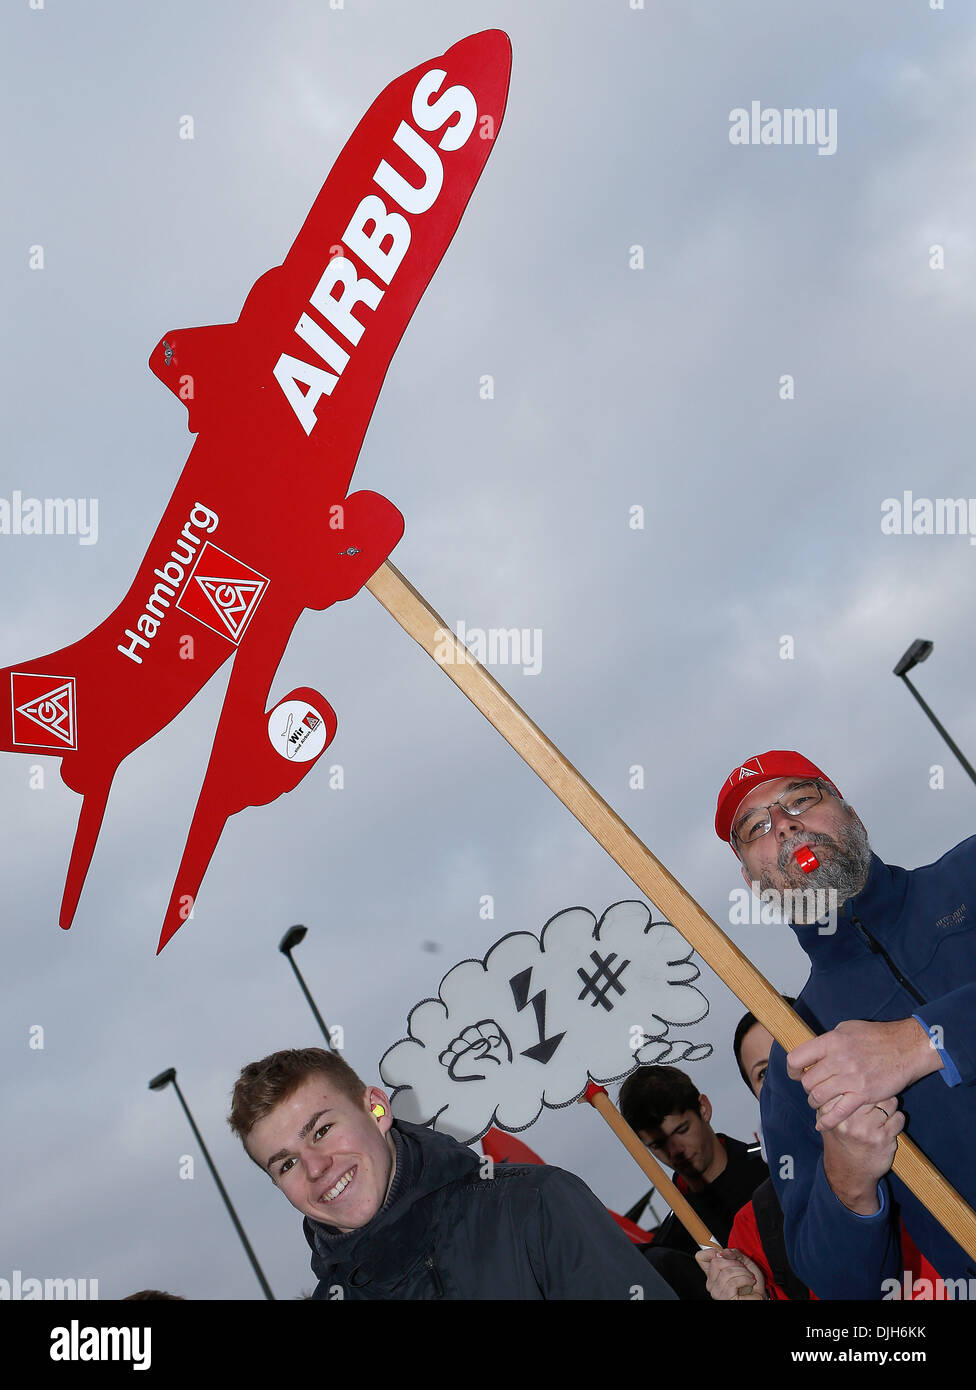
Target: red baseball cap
(764, 767)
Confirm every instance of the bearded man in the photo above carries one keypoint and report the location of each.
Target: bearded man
(892, 994)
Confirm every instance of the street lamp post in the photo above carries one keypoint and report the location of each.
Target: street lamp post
(921, 650)
(286, 945)
(159, 1083)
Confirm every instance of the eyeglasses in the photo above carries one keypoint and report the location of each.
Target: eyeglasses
(758, 821)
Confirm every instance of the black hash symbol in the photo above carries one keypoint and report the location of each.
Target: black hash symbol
(612, 979)
(542, 1050)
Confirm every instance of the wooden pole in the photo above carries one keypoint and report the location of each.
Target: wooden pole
(676, 1200)
(419, 620)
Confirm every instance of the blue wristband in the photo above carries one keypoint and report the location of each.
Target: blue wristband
(950, 1072)
(882, 1198)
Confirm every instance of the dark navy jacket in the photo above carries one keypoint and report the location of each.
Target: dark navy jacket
(527, 1232)
(905, 945)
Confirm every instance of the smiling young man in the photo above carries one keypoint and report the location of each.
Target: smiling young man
(397, 1211)
(892, 993)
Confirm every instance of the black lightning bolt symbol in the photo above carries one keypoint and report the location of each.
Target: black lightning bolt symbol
(545, 1047)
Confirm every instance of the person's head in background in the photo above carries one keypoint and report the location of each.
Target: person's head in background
(751, 1045)
(664, 1107)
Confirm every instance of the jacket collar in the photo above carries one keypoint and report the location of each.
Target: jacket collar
(426, 1161)
(878, 906)
(326, 1239)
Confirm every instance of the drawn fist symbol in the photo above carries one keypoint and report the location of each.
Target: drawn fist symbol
(479, 1042)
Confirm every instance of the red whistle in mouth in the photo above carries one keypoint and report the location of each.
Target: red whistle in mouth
(806, 859)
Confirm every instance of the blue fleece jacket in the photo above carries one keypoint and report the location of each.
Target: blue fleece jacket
(904, 946)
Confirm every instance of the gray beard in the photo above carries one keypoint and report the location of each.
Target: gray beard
(845, 874)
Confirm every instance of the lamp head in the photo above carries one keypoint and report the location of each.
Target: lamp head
(291, 939)
(163, 1079)
(920, 650)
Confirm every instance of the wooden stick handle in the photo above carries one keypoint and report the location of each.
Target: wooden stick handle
(676, 1200)
(417, 618)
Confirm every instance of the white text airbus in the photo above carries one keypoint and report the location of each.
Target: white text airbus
(386, 226)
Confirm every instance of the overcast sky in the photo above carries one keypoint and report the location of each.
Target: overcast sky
(614, 387)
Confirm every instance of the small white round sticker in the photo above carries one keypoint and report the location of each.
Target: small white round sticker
(297, 731)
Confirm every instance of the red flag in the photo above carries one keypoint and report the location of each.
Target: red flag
(505, 1148)
(630, 1229)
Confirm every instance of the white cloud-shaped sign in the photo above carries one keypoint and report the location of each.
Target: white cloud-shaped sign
(538, 1018)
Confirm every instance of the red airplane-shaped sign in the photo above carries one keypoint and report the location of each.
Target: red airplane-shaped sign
(280, 399)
